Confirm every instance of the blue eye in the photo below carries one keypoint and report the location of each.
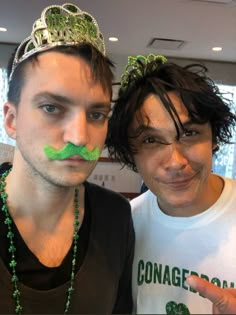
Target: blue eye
(50, 108)
(98, 116)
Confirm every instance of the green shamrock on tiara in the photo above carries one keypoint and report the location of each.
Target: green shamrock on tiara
(135, 68)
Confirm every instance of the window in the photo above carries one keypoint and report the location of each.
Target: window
(3, 93)
(224, 162)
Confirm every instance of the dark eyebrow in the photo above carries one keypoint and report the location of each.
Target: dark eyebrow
(99, 105)
(53, 97)
(146, 128)
(65, 100)
(189, 123)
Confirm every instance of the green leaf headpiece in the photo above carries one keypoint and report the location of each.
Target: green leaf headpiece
(60, 25)
(139, 66)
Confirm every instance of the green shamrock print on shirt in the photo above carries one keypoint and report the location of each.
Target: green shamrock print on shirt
(173, 308)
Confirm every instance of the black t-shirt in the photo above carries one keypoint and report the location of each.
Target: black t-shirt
(29, 269)
(102, 284)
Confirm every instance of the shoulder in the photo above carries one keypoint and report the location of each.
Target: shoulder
(142, 203)
(106, 198)
(229, 183)
(110, 210)
(227, 197)
(142, 198)
(4, 167)
(143, 211)
(104, 192)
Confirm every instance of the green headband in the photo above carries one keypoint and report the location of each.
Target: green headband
(137, 67)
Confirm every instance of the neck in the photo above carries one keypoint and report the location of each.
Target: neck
(48, 200)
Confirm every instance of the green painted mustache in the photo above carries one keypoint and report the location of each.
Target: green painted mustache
(69, 150)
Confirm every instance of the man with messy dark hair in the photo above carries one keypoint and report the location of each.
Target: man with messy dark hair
(167, 123)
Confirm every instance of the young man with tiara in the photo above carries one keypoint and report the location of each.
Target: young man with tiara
(167, 123)
(66, 244)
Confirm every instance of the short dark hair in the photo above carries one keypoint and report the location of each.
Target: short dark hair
(197, 91)
(100, 65)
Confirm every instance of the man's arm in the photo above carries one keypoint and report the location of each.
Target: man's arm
(224, 300)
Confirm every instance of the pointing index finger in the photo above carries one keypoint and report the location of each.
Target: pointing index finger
(224, 300)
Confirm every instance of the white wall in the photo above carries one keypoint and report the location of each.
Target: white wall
(113, 176)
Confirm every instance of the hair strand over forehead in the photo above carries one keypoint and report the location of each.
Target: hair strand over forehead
(195, 88)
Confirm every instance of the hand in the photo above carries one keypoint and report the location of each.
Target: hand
(224, 300)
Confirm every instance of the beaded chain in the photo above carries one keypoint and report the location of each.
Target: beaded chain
(12, 249)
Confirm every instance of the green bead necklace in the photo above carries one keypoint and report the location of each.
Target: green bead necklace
(12, 249)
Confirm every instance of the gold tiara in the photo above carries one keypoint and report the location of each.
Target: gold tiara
(60, 25)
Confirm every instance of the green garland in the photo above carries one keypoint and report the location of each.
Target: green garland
(12, 249)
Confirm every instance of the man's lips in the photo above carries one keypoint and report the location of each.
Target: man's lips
(75, 158)
(179, 183)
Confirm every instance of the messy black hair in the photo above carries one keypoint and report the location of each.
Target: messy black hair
(198, 92)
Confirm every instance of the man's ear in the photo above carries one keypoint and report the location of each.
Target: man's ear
(9, 111)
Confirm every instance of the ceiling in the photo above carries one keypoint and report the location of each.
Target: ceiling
(201, 24)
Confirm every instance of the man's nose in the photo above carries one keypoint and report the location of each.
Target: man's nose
(175, 157)
(76, 130)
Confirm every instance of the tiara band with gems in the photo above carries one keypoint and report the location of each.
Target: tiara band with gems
(60, 25)
(136, 67)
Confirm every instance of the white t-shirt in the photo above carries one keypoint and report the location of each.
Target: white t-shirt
(168, 249)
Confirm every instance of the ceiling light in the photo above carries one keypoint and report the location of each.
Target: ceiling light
(217, 48)
(113, 39)
(3, 29)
